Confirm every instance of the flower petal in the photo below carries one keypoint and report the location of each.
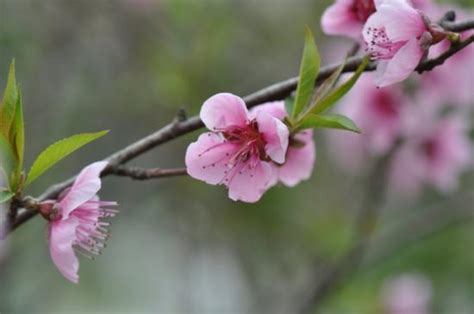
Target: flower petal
(275, 109)
(85, 187)
(62, 235)
(224, 110)
(249, 184)
(276, 135)
(206, 159)
(403, 63)
(299, 161)
(338, 19)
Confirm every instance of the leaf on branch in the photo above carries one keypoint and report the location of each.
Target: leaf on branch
(9, 102)
(7, 158)
(59, 150)
(5, 196)
(340, 91)
(309, 70)
(331, 121)
(327, 86)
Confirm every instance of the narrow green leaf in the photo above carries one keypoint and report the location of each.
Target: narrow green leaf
(309, 70)
(339, 92)
(5, 196)
(8, 108)
(7, 157)
(332, 121)
(326, 86)
(18, 132)
(289, 103)
(57, 151)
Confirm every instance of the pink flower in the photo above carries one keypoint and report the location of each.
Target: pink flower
(301, 153)
(347, 17)
(436, 150)
(407, 294)
(378, 113)
(396, 35)
(75, 221)
(239, 151)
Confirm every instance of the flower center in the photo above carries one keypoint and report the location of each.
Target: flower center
(385, 104)
(249, 139)
(362, 9)
(380, 46)
(430, 148)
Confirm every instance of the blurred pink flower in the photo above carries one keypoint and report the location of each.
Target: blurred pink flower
(240, 149)
(396, 35)
(347, 17)
(435, 151)
(407, 294)
(75, 221)
(377, 112)
(451, 83)
(301, 153)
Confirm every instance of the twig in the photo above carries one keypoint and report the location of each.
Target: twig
(138, 173)
(273, 92)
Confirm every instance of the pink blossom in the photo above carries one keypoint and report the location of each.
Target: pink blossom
(436, 150)
(378, 113)
(407, 294)
(75, 221)
(347, 17)
(439, 84)
(239, 150)
(396, 35)
(301, 153)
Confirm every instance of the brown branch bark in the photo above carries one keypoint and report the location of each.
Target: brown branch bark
(273, 92)
(138, 173)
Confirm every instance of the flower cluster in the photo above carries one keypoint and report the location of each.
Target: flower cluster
(248, 152)
(394, 32)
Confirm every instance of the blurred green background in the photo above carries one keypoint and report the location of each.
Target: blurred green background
(179, 245)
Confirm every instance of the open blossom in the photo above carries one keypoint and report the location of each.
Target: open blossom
(347, 17)
(75, 221)
(378, 113)
(436, 150)
(239, 150)
(301, 153)
(409, 293)
(397, 35)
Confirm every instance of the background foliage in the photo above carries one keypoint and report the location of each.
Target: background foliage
(179, 245)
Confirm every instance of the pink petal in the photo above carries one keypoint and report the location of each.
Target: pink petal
(224, 110)
(400, 66)
(248, 185)
(85, 187)
(275, 109)
(299, 161)
(62, 235)
(400, 20)
(275, 134)
(339, 20)
(207, 157)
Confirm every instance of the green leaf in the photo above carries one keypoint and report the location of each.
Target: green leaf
(57, 151)
(9, 102)
(289, 103)
(7, 158)
(18, 132)
(326, 86)
(5, 196)
(332, 121)
(339, 92)
(309, 70)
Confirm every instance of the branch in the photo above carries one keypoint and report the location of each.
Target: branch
(273, 92)
(138, 173)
